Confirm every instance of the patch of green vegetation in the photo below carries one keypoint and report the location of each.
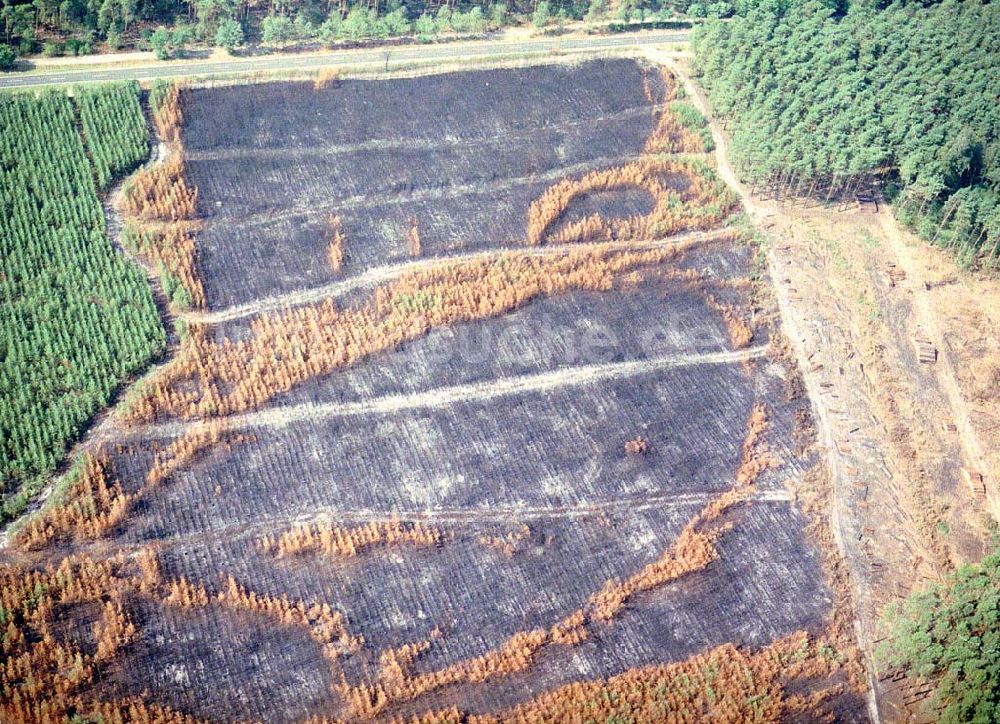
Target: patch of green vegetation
(820, 94)
(950, 634)
(690, 117)
(836, 254)
(114, 128)
(869, 242)
(177, 295)
(417, 302)
(76, 318)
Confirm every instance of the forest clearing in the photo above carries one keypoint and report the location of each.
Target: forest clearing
(535, 446)
(652, 386)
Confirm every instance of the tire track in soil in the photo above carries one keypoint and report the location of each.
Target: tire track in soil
(968, 438)
(447, 396)
(471, 517)
(410, 144)
(381, 274)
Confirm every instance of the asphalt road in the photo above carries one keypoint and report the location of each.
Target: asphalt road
(277, 62)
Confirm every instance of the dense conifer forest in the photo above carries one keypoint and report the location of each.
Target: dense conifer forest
(76, 318)
(949, 634)
(820, 97)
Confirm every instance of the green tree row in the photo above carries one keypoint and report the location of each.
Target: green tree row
(817, 90)
(76, 318)
(74, 27)
(114, 128)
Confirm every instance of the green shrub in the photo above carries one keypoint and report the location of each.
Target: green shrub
(359, 24)
(472, 21)
(687, 115)
(183, 34)
(304, 30)
(329, 31)
(425, 27)
(26, 46)
(229, 35)
(395, 23)
(276, 29)
(159, 41)
(443, 19)
(542, 15)
(719, 10)
(7, 57)
(499, 15)
(114, 40)
(697, 10)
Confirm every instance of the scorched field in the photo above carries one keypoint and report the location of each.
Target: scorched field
(476, 409)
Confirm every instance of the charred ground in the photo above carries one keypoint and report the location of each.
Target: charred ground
(402, 484)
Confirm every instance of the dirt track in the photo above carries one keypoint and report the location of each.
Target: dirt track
(895, 431)
(381, 274)
(973, 450)
(446, 396)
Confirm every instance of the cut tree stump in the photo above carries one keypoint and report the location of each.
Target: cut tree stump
(894, 275)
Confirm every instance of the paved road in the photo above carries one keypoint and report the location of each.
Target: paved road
(397, 54)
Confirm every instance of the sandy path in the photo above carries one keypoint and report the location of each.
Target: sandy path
(382, 274)
(440, 397)
(973, 451)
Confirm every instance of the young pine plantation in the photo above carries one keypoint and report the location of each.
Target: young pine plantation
(475, 409)
(76, 318)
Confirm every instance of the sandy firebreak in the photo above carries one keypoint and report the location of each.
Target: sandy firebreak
(913, 445)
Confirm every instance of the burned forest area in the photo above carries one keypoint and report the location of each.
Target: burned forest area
(475, 406)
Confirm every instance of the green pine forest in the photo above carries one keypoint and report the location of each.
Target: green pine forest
(113, 128)
(172, 27)
(76, 318)
(816, 94)
(950, 633)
